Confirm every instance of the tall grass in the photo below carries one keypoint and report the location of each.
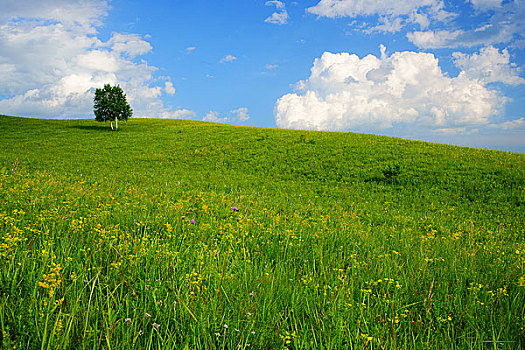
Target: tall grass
(180, 234)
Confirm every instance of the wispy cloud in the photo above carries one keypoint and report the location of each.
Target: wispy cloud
(509, 124)
(279, 17)
(391, 16)
(228, 59)
(432, 24)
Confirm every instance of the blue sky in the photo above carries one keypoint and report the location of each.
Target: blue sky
(444, 71)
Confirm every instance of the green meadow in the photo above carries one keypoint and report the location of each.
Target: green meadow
(174, 234)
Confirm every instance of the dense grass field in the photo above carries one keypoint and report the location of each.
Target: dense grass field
(173, 234)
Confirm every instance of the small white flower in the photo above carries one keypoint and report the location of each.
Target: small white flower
(147, 315)
(127, 320)
(156, 325)
(217, 334)
(226, 326)
(159, 303)
(252, 332)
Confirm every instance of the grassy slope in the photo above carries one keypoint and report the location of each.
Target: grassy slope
(312, 204)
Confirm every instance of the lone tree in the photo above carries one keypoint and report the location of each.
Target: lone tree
(110, 104)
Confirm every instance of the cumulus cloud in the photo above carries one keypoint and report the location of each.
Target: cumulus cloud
(168, 87)
(176, 114)
(236, 115)
(345, 92)
(214, 116)
(241, 114)
(280, 17)
(489, 66)
(227, 59)
(51, 60)
(130, 45)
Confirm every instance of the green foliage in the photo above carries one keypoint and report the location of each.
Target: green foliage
(110, 104)
(98, 249)
(392, 172)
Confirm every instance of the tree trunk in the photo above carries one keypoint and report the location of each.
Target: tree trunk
(116, 123)
(111, 125)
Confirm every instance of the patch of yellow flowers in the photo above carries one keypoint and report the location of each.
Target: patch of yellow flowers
(51, 281)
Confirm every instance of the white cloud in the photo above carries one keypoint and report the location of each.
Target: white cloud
(271, 66)
(387, 25)
(87, 12)
(485, 4)
(236, 115)
(168, 87)
(392, 15)
(489, 66)
(228, 58)
(177, 114)
(505, 25)
(430, 23)
(434, 39)
(456, 131)
(276, 3)
(419, 18)
(213, 116)
(190, 49)
(241, 114)
(345, 92)
(51, 60)
(277, 17)
(354, 8)
(98, 60)
(509, 125)
(131, 45)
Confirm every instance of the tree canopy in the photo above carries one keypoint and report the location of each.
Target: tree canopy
(110, 104)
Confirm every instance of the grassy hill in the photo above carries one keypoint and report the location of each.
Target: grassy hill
(174, 233)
